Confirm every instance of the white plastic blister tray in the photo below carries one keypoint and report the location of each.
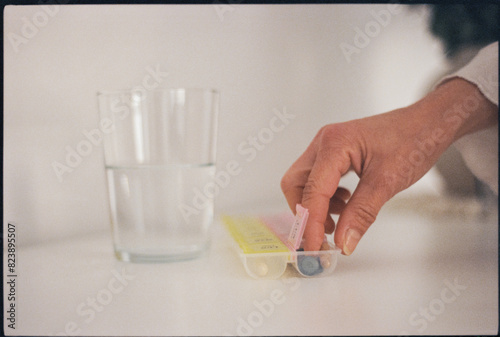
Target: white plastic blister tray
(261, 243)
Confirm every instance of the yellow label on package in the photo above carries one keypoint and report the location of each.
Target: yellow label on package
(253, 236)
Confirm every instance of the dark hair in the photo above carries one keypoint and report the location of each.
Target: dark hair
(462, 25)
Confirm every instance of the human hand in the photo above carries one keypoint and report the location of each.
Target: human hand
(389, 153)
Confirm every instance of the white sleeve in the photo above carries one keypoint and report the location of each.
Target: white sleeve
(482, 70)
(480, 149)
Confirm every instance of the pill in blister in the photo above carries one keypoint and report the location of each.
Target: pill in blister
(262, 269)
(309, 265)
(325, 261)
(325, 258)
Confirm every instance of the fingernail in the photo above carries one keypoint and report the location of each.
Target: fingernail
(351, 240)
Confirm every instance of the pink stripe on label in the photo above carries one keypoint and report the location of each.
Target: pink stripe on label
(299, 225)
(280, 224)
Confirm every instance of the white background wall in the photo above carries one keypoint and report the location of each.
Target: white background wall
(260, 57)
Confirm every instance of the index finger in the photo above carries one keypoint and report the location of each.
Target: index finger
(295, 178)
(320, 187)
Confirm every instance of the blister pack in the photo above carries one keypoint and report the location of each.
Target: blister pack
(268, 244)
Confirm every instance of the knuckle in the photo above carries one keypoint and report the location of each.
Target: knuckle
(334, 133)
(312, 190)
(286, 182)
(338, 141)
(308, 192)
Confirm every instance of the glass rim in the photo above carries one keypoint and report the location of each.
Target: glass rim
(173, 89)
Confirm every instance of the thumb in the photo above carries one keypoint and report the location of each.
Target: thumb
(359, 214)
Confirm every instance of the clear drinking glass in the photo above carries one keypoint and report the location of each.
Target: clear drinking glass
(159, 152)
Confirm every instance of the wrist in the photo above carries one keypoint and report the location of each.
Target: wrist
(458, 107)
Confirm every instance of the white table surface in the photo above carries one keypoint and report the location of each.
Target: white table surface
(415, 250)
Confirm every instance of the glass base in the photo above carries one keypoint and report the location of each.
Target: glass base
(135, 257)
